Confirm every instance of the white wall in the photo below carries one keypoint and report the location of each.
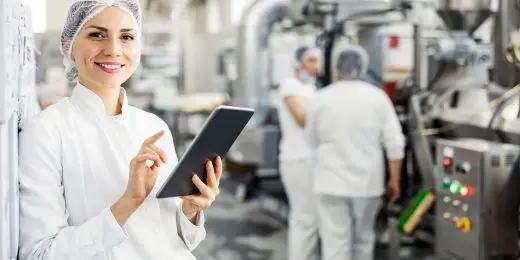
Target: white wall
(56, 13)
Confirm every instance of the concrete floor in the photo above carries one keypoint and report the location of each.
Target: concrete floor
(243, 231)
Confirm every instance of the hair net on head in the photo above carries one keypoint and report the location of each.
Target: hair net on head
(304, 52)
(353, 62)
(80, 12)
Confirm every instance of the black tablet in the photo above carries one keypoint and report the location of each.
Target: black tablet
(218, 133)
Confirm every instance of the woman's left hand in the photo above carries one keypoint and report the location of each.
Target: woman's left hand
(193, 204)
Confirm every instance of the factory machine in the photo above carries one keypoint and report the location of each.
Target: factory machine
(477, 200)
(462, 127)
(253, 157)
(461, 96)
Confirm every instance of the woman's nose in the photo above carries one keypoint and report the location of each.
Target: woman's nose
(112, 48)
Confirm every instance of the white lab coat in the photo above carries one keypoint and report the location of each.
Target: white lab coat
(74, 164)
(292, 147)
(348, 125)
(296, 174)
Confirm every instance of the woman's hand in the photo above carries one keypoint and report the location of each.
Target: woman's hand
(192, 205)
(141, 180)
(142, 173)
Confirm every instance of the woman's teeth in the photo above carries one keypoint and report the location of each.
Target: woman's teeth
(110, 66)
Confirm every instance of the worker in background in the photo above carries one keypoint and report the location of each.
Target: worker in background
(91, 165)
(348, 125)
(295, 156)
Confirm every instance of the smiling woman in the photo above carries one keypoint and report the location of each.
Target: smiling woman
(90, 165)
(105, 50)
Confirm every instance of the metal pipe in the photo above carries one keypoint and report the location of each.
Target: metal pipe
(252, 87)
(501, 66)
(420, 73)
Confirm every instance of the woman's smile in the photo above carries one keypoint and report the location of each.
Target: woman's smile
(110, 67)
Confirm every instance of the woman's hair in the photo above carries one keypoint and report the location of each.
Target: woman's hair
(80, 12)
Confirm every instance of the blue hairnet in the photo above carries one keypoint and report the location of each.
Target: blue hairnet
(353, 62)
(80, 12)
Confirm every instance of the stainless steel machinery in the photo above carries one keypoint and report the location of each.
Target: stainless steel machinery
(331, 16)
(476, 215)
(457, 104)
(258, 144)
(477, 205)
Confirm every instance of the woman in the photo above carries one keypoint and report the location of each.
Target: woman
(296, 157)
(91, 164)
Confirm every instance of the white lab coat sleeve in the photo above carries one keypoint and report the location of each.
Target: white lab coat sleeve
(45, 233)
(191, 234)
(392, 135)
(289, 88)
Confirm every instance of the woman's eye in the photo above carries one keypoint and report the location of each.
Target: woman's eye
(127, 37)
(96, 35)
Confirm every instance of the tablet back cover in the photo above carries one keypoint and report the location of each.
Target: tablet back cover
(216, 138)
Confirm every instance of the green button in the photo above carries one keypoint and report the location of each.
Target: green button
(455, 188)
(446, 183)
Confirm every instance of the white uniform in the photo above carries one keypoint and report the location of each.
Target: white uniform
(74, 164)
(348, 126)
(296, 172)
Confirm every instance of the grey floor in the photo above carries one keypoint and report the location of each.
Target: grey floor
(243, 231)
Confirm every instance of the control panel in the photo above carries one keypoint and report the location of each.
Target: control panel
(457, 203)
(473, 175)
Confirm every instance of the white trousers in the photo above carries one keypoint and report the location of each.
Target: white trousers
(347, 226)
(303, 236)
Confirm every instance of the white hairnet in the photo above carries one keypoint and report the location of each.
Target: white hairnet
(353, 62)
(82, 11)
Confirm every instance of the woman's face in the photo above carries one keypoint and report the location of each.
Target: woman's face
(312, 64)
(105, 51)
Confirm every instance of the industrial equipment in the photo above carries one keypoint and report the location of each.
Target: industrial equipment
(477, 205)
(476, 212)
(256, 150)
(457, 101)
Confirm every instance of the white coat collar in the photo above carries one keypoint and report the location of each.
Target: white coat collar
(91, 102)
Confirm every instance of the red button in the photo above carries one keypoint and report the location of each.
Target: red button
(447, 162)
(466, 191)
